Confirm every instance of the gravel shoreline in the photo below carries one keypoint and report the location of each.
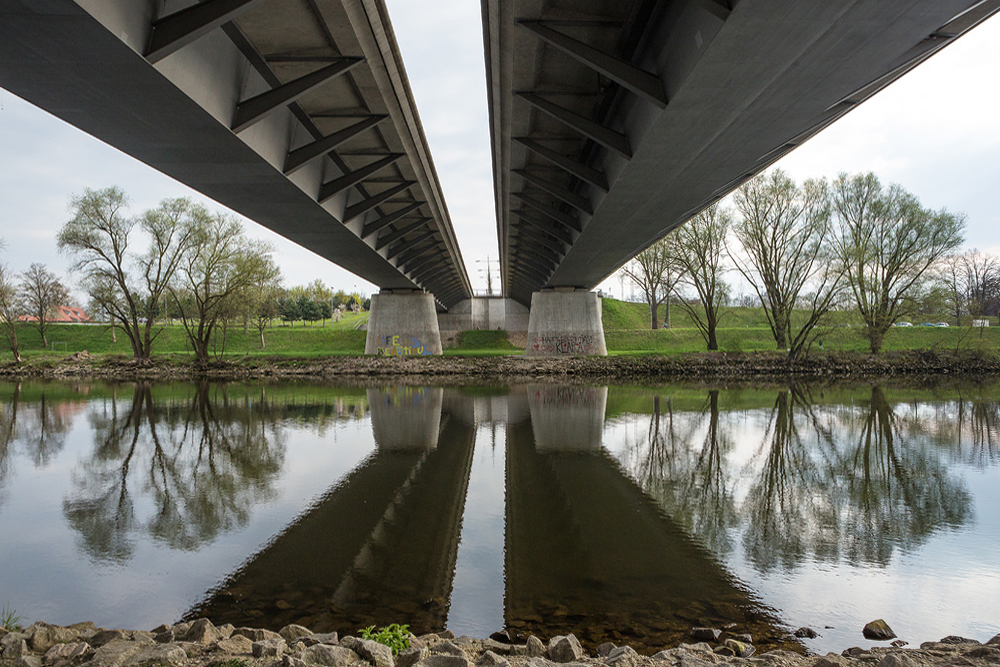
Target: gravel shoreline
(202, 644)
(919, 366)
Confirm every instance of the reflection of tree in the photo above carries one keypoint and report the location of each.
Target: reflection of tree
(204, 463)
(789, 496)
(897, 493)
(692, 482)
(8, 433)
(834, 482)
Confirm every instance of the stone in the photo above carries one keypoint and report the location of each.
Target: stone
(955, 639)
(898, 643)
(464, 640)
(226, 630)
(70, 652)
(182, 628)
(878, 630)
(291, 661)
(535, 647)
(28, 661)
(830, 660)
(705, 634)
(416, 642)
(167, 636)
(326, 638)
(605, 649)
(42, 636)
(446, 634)
(991, 652)
(724, 651)
(330, 656)
(806, 633)
(103, 637)
(256, 634)
(377, 654)
(115, 653)
(746, 639)
(564, 649)
(238, 644)
(487, 659)
(202, 631)
(897, 660)
(623, 656)
(269, 648)
(994, 641)
(854, 652)
(740, 649)
(497, 647)
(444, 660)
(14, 646)
(292, 632)
(688, 660)
(160, 629)
(539, 662)
(411, 656)
(447, 648)
(157, 655)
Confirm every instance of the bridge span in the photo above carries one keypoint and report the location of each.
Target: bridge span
(294, 113)
(612, 122)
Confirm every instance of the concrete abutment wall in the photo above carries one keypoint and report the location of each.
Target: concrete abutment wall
(403, 325)
(565, 323)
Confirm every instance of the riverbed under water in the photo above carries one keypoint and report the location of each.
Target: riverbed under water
(620, 514)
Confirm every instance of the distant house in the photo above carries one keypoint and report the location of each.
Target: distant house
(61, 315)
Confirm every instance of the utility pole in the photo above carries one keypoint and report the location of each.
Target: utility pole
(489, 273)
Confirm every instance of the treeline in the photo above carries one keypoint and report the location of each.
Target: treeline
(809, 249)
(178, 261)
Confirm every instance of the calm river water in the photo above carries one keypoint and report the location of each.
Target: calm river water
(620, 514)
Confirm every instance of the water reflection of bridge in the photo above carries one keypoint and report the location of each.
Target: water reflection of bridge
(585, 550)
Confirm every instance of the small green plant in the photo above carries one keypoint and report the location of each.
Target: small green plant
(395, 636)
(232, 662)
(9, 620)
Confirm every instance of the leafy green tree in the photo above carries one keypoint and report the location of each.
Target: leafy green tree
(288, 308)
(222, 264)
(125, 286)
(887, 243)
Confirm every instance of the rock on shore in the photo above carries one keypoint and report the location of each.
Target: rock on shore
(202, 644)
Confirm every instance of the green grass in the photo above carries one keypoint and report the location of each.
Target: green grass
(626, 330)
(395, 636)
(9, 620)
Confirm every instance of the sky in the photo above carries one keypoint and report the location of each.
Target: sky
(934, 132)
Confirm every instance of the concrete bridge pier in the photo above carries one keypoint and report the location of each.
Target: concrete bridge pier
(403, 323)
(565, 322)
(565, 418)
(406, 418)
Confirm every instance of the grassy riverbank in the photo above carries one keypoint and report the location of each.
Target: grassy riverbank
(626, 326)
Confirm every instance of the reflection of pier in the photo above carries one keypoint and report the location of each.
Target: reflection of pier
(379, 547)
(586, 549)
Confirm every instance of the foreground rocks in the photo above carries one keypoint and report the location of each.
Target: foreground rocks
(202, 644)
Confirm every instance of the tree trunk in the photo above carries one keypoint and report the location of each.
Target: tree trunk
(652, 314)
(262, 339)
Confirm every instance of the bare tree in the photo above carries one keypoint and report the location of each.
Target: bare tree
(10, 309)
(886, 243)
(262, 297)
(99, 237)
(222, 264)
(654, 271)
(783, 230)
(699, 251)
(41, 292)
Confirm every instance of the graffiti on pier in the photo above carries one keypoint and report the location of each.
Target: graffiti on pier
(566, 344)
(400, 346)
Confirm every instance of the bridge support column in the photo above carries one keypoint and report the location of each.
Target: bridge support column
(565, 322)
(403, 324)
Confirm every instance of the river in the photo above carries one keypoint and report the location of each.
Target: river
(623, 514)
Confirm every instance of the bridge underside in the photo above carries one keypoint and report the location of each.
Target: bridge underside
(294, 113)
(613, 122)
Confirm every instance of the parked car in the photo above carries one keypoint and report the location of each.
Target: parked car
(928, 324)
(902, 324)
(941, 324)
